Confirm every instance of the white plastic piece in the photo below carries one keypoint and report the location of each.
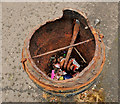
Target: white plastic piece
(57, 65)
(75, 63)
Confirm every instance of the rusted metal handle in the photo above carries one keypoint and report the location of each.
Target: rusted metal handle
(75, 32)
(56, 50)
(101, 36)
(23, 60)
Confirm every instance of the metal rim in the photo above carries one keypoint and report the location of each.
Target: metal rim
(88, 67)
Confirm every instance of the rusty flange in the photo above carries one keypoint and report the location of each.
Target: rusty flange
(70, 86)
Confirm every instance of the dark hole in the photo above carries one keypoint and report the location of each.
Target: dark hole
(58, 34)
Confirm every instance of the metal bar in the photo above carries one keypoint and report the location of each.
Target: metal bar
(53, 51)
(75, 33)
(79, 54)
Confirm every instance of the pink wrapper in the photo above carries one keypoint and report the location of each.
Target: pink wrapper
(52, 74)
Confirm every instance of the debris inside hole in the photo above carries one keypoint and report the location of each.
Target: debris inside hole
(56, 66)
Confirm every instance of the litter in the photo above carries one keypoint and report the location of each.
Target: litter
(75, 33)
(52, 74)
(91, 95)
(67, 76)
(75, 64)
(61, 78)
(62, 65)
(64, 73)
(96, 22)
(56, 66)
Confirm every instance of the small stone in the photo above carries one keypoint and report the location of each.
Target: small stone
(30, 87)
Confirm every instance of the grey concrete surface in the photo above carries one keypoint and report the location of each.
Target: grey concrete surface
(18, 20)
(0, 51)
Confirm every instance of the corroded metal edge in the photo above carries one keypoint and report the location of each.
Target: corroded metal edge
(54, 88)
(47, 86)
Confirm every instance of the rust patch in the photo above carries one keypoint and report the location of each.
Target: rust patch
(57, 34)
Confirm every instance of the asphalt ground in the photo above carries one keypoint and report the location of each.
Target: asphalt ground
(18, 20)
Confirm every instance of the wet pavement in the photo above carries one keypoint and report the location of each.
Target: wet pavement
(18, 20)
